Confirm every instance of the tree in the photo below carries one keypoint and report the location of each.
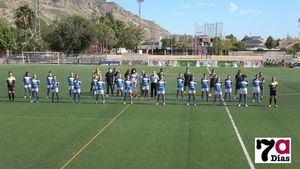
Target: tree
(29, 40)
(106, 38)
(7, 37)
(24, 17)
(73, 34)
(133, 36)
(270, 43)
(239, 46)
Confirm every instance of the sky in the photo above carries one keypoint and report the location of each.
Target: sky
(277, 18)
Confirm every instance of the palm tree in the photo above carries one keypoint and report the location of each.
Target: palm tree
(29, 40)
(24, 17)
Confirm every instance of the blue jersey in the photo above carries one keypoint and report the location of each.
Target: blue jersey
(55, 84)
(218, 87)
(35, 83)
(27, 80)
(180, 83)
(161, 85)
(128, 84)
(71, 80)
(77, 84)
(204, 83)
(145, 82)
(100, 85)
(119, 83)
(49, 80)
(256, 83)
(228, 84)
(244, 84)
(192, 86)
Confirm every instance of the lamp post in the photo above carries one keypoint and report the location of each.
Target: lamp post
(140, 10)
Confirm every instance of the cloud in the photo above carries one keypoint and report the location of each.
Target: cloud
(206, 4)
(250, 12)
(233, 7)
(186, 5)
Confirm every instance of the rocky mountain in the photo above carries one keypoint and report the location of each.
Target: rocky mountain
(56, 9)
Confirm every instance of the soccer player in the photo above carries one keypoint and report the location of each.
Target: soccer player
(218, 91)
(77, 89)
(213, 79)
(110, 81)
(262, 81)
(100, 90)
(187, 78)
(128, 89)
(94, 85)
(145, 87)
(35, 84)
(192, 90)
(161, 90)
(238, 79)
(228, 88)
(120, 85)
(180, 86)
(134, 79)
(204, 87)
(141, 82)
(27, 85)
(55, 90)
(273, 92)
(154, 79)
(71, 79)
(11, 80)
(256, 89)
(243, 91)
(49, 83)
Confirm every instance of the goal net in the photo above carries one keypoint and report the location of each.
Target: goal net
(42, 58)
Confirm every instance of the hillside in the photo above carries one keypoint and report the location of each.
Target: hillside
(56, 9)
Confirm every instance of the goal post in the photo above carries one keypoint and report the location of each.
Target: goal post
(42, 58)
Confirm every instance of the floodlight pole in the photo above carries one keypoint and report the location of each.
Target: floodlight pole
(140, 10)
(37, 21)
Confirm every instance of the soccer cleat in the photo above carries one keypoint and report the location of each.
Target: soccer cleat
(30, 97)
(70, 98)
(38, 102)
(96, 102)
(253, 101)
(157, 104)
(131, 102)
(31, 101)
(246, 105)
(124, 103)
(209, 94)
(270, 105)
(276, 106)
(188, 104)
(164, 104)
(24, 97)
(195, 104)
(239, 105)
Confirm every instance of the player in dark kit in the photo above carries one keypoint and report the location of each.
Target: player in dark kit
(238, 79)
(273, 92)
(187, 78)
(11, 80)
(213, 79)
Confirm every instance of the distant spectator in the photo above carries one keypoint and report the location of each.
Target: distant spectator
(154, 79)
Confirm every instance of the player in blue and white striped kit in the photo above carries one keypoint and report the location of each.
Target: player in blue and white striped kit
(77, 89)
(100, 90)
(218, 91)
(27, 85)
(161, 90)
(228, 88)
(243, 91)
(120, 85)
(49, 83)
(145, 87)
(205, 87)
(128, 89)
(35, 83)
(55, 90)
(180, 86)
(192, 90)
(71, 79)
(256, 89)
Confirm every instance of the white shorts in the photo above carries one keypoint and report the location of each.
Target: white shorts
(218, 92)
(49, 86)
(192, 91)
(27, 86)
(128, 91)
(161, 92)
(71, 87)
(205, 89)
(145, 88)
(121, 88)
(256, 90)
(244, 91)
(77, 91)
(100, 92)
(180, 89)
(228, 90)
(55, 90)
(35, 90)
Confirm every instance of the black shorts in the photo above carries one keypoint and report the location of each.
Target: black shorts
(261, 87)
(273, 93)
(11, 89)
(186, 84)
(237, 87)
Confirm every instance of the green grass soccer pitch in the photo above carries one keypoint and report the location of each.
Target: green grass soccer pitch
(141, 136)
